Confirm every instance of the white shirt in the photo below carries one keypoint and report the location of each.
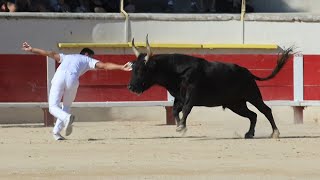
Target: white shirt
(76, 63)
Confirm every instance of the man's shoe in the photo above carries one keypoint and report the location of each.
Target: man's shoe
(58, 137)
(68, 125)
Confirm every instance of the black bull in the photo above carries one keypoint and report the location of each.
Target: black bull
(194, 81)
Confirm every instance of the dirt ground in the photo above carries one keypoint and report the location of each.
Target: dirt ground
(138, 148)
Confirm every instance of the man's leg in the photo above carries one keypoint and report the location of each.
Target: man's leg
(55, 96)
(72, 84)
(55, 109)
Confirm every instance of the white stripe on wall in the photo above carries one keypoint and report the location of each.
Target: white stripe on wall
(298, 77)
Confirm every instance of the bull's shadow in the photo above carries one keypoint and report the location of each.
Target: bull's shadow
(259, 138)
(205, 138)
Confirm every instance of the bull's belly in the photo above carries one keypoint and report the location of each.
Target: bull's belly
(219, 99)
(207, 104)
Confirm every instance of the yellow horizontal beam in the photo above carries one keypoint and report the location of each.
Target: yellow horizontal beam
(165, 45)
(240, 46)
(158, 45)
(98, 45)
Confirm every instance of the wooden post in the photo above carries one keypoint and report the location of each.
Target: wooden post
(298, 114)
(170, 119)
(48, 118)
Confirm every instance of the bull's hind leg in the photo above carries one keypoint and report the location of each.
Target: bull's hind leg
(242, 110)
(264, 109)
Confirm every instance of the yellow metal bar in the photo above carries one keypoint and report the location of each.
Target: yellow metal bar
(166, 45)
(91, 45)
(240, 46)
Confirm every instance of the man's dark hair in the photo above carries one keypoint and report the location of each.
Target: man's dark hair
(90, 52)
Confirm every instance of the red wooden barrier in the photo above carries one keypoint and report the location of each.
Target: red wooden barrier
(23, 79)
(311, 77)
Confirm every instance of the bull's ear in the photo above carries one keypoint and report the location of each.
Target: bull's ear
(134, 48)
(149, 53)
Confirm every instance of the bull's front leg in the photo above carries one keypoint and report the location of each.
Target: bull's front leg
(183, 123)
(177, 108)
(186, 109)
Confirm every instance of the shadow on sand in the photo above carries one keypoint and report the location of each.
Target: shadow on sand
(259, 138)
(204, 138)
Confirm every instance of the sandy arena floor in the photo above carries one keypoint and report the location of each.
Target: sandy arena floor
(148, 149)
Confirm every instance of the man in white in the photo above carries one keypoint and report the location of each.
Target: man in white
(65, 83)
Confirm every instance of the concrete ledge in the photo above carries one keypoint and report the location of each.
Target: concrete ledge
(282, 103)
(141, 104)
(24, 105)
(310, 103)
(51, 15)
(122, 104)
(282, 17)
(272, 17)
(89, 104)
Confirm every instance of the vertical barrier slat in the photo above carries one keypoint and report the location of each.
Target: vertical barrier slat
(298, 87)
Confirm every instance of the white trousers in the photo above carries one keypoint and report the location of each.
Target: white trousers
(64, 85)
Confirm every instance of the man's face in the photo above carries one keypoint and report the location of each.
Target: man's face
(12, 7)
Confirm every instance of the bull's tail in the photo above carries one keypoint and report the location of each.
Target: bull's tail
(280, 63)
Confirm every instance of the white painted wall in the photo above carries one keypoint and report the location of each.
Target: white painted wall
(47, 30)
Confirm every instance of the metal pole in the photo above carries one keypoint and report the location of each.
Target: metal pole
(243, 9)
(126, 28)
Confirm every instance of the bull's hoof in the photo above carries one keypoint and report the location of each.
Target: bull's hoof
(275, 134)
(181, 128)
(248, 136)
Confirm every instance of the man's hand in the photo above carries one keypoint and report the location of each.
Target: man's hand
(127, 66)
(26, 47)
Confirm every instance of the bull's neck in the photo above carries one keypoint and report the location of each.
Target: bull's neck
(165, 77)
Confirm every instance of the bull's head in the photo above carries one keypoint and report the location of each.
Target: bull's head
(142, 70)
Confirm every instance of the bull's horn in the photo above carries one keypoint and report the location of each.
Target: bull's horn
(149, 53)
(134, 48)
